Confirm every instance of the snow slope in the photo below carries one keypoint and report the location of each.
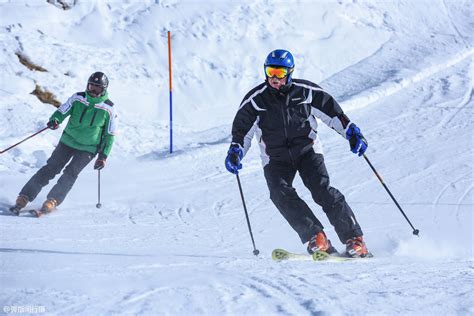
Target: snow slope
(171, 237)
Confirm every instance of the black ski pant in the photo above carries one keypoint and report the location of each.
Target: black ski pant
(280, 176)
(59, 158)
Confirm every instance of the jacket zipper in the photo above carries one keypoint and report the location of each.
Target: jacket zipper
(284, 127)
(82, 115)
(93, 117)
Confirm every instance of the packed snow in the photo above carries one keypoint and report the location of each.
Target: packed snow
(171, 237)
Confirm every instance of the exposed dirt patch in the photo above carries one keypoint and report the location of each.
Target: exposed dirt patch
(41, 93)
(45, 96)
(28, 63)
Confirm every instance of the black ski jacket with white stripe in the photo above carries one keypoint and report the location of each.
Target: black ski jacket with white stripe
(285, 122)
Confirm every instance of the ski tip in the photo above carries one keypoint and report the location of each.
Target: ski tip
(279, 254)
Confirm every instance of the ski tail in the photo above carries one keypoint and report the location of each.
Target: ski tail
(15, 210)
(38, 213)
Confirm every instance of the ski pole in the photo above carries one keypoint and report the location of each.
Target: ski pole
(415, 231)
(255, 250)
(98, 205)
(1, 152)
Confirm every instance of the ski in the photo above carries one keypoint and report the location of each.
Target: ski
(37, 213)
(15, 212)
(281, 255)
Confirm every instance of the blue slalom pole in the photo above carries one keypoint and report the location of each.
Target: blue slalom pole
(171, 122)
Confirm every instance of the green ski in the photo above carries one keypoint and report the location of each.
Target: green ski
(281, 254)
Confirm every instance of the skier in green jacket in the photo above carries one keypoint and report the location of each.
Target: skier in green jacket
(90, 131)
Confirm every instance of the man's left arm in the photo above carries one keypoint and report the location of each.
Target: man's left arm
(326, 108)
(108, 136)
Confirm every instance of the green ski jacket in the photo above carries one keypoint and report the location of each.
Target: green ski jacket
(92, 125)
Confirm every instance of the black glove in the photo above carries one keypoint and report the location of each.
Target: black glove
(53, 124)
(99, 164)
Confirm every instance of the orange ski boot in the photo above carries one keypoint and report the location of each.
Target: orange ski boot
(355, 248)
(320, 242)
(48, 206)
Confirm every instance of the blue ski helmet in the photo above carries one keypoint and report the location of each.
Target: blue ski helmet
(281, 58)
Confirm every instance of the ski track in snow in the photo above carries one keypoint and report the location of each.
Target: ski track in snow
(171, 237)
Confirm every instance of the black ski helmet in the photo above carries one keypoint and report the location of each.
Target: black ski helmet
(98, 79)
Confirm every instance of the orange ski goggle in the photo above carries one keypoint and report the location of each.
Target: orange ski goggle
(279, 72)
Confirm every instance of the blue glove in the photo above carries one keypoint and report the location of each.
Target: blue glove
(232, 161)
(356, 140)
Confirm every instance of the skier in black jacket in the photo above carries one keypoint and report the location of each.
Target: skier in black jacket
(282, 113)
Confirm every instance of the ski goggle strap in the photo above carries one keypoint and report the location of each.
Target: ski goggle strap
(279, 72)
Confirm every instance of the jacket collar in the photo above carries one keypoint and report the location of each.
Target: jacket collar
(284, 90)
(94, 101)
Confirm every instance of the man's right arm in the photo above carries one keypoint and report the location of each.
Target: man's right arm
(243, 122)
(242, 129)
(64, 110)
